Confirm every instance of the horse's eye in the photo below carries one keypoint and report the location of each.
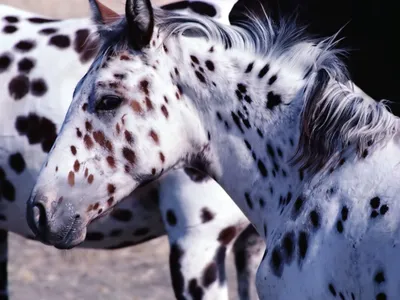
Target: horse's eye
(109, 102)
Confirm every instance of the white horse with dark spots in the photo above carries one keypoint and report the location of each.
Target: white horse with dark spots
(41, 61)
(266, 111)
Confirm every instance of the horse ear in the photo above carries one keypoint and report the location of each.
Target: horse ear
(140, 22)
(101, 14)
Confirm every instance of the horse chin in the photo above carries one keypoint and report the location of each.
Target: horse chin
(73, 239)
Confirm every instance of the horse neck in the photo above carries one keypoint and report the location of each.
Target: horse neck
(250, 106)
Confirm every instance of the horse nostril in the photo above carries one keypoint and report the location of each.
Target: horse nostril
(40, 217)
(77, 216)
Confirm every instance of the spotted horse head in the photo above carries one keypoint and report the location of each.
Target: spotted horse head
(122, 128)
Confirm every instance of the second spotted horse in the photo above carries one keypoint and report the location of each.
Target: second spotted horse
(313, 163)
(41, 60)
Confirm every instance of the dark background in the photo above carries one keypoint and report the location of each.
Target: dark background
(370, 36)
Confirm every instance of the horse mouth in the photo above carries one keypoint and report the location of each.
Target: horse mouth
(74, 237)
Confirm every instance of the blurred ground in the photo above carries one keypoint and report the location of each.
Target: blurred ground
(43, 273)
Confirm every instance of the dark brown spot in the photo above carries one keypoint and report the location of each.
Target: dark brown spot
(86, 46)
(122, 215)
(71, 178)
(144, 86)
(111, 188)
(25, 45)
(206, 215)
(162, 157)
(98, 136)
(303, 244)
(5, 62)
(375, 202)
(210, 65)
(8, 190)
(379, 277)
(25, 65)
(129, 155)
(77, 165)
(171, 217)
(119, 76)
(384, 209)
(113, 85)
(84, 106)
(11, 19)
(18, 87)
(261, 167)
(38, 20)
(37, 129)
(149, 104)
(111, 161)
(90, 178)
(86, 172)
(136, 106)
(128, 137)
(10, 29)
(38, 87)
(227, 235)
(164, 111)
(88, 141)
(263, 71)
(117, 129)
(17, 162)
(88, 126)
(180, 91)
(332, 289)
(81, 36)
(210, 274)
(273, 100)
(249, 67)
(154, 136)
(48, 31)
(110, 201)
(108, 145)
(381, 296)
(73, 150)
(60, 41)
(194, 59)
(200, 77)
(165, 48)
(124, 57)
(315, 219)
(272, 79)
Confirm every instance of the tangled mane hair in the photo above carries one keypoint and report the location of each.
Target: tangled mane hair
(333, 116)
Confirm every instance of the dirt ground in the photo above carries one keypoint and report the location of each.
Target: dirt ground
(43, 273)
